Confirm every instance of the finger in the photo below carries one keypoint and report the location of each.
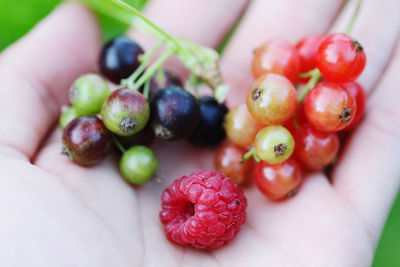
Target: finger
(368, 175)
(377, 36)
(205, 22)
(37, 71)
(265, 20)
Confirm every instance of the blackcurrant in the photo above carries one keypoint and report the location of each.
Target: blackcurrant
(163, 79)
(175, 113)
(144, 137)
(86, 140)
(210, 130)
(119, 58)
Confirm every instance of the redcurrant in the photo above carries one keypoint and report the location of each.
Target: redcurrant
(358, 94)
(272, 99)
(276, 56)
(279, 181)
(315, 149)
(274, 144)
(340, 58)
(329, 107)
(241, 128)
(227, 161)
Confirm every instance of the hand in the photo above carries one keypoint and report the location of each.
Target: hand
(55, 213)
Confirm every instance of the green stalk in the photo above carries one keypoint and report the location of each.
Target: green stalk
(315, 77)
(249, 154)
(148, 22)
(145, 62)
(353, 18)
(153, 68)
(119, 145)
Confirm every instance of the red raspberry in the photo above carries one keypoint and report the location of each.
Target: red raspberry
(204, 209)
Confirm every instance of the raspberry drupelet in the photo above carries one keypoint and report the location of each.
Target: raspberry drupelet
(205, 210)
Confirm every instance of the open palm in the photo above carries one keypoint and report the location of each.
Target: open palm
(55, 213)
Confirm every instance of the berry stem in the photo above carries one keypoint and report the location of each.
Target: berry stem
(201, 61)
(153, 68)
(315, 76)
(249, 154)
(353, 18)
(145, 60)
(148, 22)
(146, 89)
(119, 145)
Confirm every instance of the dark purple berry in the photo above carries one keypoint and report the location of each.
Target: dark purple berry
(125, 112)
(210, 130)
(164, 79)
(175, 113)
(119, 58)
(86, 140)
(145, 137)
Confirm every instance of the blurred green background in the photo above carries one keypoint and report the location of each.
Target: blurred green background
(18, 17)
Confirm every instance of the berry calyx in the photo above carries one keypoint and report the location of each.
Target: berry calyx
(204, 209)
(340, 58)
(228, 161)
(86, 141)
(315, 149)
(175, 113)
(329, 107)
(279, 181)
(274, 144)
(276, 56)
(359, 96)
(210, 131)
(88, 93)
(138, 164)
(125, 112)
(272, 99)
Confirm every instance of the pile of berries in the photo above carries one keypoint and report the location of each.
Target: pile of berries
(291, 131)
(303, 97)
(133, 117)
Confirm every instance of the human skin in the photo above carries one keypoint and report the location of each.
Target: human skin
(55, 213)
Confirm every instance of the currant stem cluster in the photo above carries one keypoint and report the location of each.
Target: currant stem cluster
(201, 61)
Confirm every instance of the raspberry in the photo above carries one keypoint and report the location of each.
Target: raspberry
(204, 209)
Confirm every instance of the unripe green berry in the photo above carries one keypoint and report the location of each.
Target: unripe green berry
(138, 164)
(274, 144)
(67, 115)
(125, 112)
(88, 93)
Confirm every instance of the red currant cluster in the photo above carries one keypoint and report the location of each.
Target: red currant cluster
(286, 126)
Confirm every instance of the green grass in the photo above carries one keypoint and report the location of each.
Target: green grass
(18, 17)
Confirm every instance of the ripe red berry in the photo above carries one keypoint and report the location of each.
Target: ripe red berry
(315, 149)
(227, 161)
(272, 99)
(276, 56)
(358, 94)
(279, 181)
(204, 209)
(329, 107)
(340, 58)
(307, 49)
